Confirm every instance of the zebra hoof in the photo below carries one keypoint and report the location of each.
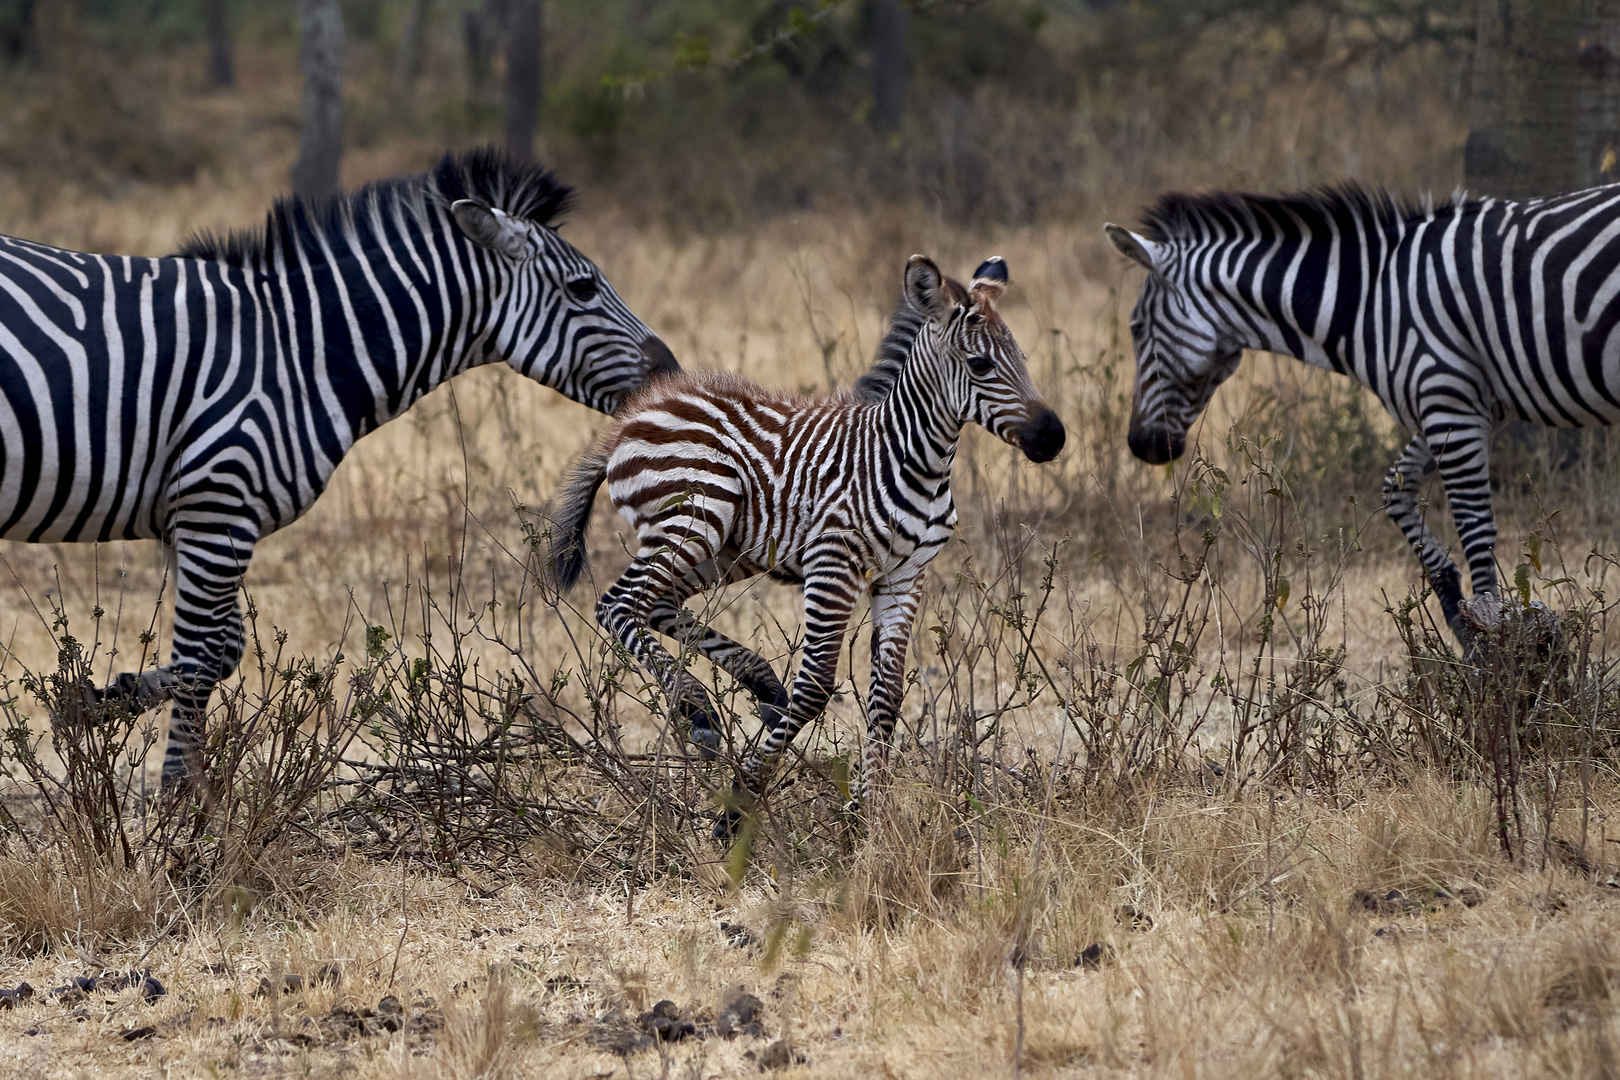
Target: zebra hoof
(707, 741)
(727, 825)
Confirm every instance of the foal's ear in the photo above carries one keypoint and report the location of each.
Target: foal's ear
(491, 229)
(925, 290)
(989, 280)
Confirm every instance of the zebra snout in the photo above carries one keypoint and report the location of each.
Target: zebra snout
(660, 361)
(1156, 445)
(1042, 436)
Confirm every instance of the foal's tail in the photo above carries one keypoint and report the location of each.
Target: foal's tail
(573, 518)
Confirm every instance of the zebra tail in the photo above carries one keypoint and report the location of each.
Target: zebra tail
(573, 518)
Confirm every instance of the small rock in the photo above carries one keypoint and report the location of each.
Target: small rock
(389, 1006)
(779, 1055)
(136, 1034)
(330, 974)
(562, 984)
(740, 1014)
(1095, 955)
(151, 989)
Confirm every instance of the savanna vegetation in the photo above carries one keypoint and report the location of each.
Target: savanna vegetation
(1190, 781)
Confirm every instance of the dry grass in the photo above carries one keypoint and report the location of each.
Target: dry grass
(1236, 887)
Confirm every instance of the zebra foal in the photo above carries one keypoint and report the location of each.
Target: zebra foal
(847, 495)
(1460, 317)
(205, 399)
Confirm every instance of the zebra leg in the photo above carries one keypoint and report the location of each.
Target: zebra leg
(830, 592)
(894, 610)
(745, 665)
(208, 638)
(624, 612)
(1462, 448)
(1401, 504)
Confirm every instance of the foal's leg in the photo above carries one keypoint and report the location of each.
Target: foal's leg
(745, 665)
(894, 610)
(624, 611)
(832, 584)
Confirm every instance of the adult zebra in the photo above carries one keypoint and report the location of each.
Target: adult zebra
(849, 494)
(1460, 317)
(204, 399)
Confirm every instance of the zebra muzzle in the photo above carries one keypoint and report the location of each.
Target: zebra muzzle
(1041, 437)
(660, 360)
(1156, 445)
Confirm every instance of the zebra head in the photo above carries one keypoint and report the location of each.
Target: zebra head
(557, 320)
(983, 366)
(1182, 354)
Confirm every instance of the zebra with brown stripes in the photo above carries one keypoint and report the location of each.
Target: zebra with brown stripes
(847, 495)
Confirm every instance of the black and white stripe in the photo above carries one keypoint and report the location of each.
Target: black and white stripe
(204, 399)
(847, 495)
(1460, 317)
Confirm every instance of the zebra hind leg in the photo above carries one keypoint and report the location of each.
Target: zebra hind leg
(1401, 504)
(745, 665)
(623, 612)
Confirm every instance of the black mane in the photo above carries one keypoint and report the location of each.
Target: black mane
(523, 189)
(1181, 216)
(904, 326)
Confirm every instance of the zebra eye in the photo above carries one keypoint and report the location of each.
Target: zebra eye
(981, 365)
(582, 289)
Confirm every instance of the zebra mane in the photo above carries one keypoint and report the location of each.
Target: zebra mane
(904, 326)
(1182, 216)
(523, 189)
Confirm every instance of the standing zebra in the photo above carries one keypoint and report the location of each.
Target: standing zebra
(204, 399)
(1459, 317)
(849, 494)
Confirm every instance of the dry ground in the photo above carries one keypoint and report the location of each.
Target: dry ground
(1264, 939)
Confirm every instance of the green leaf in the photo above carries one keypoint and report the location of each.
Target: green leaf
(1532, 545)
(1282, 592)
(1521, 581)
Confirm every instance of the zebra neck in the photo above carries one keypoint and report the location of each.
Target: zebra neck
(918, 423)
(383, 357)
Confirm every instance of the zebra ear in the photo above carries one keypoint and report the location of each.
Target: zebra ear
(989, 280)
(924, 288)
(1138, 249)
(490, 228)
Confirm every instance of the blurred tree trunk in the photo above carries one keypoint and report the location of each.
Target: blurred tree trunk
(408, 61)
(1545, 115)
(1545, 119)
(890, 64)
(17, 33)
(320, 142)
(221, 71)
(524, 41)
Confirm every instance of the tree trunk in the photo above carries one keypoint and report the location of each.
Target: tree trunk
(408, 61)
(320, 142)
(221, 71)
(524, 39)
(1545, 115)
(890, 65)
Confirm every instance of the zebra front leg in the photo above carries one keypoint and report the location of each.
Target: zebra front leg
(1401, 504)
(894, 610)
(208, 639)
(624, 612)
(1462, 448)
(830, 592)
